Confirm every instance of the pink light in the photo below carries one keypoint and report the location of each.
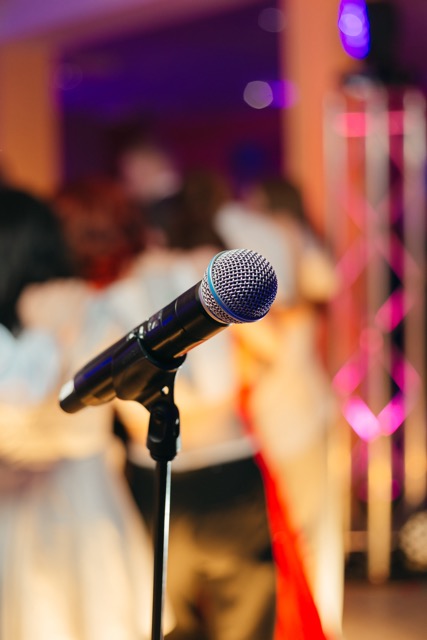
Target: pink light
(405, 375)
(393, 415)
(352, 125)
(392, 312)
(357, 124)
(361, 419)
(367, 425)
(348, 378)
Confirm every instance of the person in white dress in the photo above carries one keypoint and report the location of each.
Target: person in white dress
(75, 558)
(291, 403)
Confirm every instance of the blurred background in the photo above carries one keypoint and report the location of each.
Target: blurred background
(333, 94)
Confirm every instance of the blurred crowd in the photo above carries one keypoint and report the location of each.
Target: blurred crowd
(255, 544)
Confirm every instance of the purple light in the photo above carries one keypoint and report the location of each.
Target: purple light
(285, 94)
(281, 94)
(353, 24)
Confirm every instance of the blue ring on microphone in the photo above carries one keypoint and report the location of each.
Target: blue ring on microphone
(214, 293)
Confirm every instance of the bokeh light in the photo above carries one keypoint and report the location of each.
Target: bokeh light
(280, 94)
(258, 94)
(353, 24)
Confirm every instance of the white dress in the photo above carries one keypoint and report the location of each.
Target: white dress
(292, 405)
(75, 559)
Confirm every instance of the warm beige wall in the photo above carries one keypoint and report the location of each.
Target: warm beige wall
(28, 117)
(313, 59)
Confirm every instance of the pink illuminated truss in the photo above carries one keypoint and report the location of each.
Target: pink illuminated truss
(372, 233)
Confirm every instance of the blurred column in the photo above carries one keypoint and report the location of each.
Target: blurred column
(312, 59)
(28, 117)
(414, 161)
(376, 336)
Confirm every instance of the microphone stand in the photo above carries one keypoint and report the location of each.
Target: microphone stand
(163, 442)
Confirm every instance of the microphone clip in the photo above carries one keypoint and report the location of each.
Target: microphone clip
(163, 438)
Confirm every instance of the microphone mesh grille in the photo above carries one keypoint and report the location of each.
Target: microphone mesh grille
(239, 286)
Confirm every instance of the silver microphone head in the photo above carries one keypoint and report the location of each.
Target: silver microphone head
(238, 286)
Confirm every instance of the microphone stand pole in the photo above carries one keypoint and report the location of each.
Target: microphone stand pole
(163, 443)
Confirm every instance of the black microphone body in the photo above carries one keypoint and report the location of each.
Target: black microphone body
(133, 367)
(238, 286)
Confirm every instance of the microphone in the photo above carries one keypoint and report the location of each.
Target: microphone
(238, 286)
